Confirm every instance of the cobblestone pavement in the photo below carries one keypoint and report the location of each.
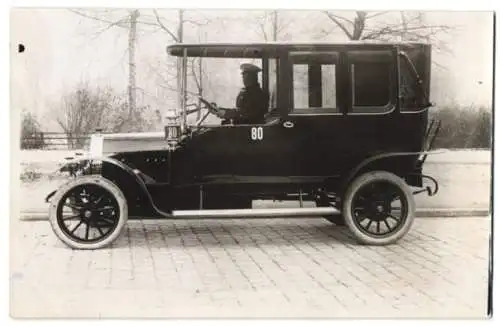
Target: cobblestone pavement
(253, 268)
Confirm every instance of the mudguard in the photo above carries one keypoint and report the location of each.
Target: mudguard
(370, 160)
(94, 165)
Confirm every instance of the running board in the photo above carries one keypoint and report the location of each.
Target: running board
(256, 212)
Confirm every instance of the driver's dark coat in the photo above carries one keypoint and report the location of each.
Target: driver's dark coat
(251, 106)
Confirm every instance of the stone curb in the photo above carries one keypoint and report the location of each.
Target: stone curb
(423, 213)
(453, 212)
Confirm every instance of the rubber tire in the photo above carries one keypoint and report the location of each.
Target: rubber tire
(363, 180)
(102, 182)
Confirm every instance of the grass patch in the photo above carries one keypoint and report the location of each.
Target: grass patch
(463, 127)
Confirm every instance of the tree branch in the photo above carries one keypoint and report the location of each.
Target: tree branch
(392, 30)
(172, 35)
(142, 22)
(197, 23)
(110, 25)
(284, 26)
(193, 70)
(80, 13)
(337, 17)
(263, 30)
(376, 14)
(334, 19)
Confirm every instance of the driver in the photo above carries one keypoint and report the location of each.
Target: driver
(252, 102)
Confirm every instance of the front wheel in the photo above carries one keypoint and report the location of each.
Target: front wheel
(379, 208)
(88, 212)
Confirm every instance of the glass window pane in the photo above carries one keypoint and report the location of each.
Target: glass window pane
(409, 88)
(273, 86)
(300, 86)
(371, 84)
(314, 85)
(328, 84)
(323, 84)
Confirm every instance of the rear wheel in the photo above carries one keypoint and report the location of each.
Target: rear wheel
(379, 208)
(88, 212)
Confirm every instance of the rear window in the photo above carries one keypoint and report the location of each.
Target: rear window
(372, 81)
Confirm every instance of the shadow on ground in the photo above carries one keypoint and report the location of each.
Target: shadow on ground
(234, 233)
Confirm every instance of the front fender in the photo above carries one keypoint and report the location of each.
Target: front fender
(126, 178)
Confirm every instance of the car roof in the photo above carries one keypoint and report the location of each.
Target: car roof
(257, 50)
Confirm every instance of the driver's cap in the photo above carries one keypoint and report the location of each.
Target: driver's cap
(249, 68)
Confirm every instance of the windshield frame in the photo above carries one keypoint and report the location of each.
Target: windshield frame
(426, 97)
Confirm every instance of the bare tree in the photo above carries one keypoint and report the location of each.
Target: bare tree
(368, 26)
(168, 72)
(82, 110)
(270, 24)
(261, 23)
(132, 85)
(31, 132)
(149, 21)
(85, 109)
(115, 18)
(178, 36)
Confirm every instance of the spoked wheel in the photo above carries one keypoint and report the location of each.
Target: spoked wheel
(379, 208)
(88, 212)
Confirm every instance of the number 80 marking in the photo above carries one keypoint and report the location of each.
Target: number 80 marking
(257, 133)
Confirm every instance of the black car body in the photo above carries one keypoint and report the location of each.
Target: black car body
(340, 114)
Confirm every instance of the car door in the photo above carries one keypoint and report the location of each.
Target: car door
(316, 111)
(252, 153)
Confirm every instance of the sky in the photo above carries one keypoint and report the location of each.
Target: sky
(63, 49)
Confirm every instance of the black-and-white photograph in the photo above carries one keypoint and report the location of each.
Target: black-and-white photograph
(277, 163)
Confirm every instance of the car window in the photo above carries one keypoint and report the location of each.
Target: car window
(314, 82)
(409, 87)
(300, 86)
(273, 77)
(372, 81)
(329, 89)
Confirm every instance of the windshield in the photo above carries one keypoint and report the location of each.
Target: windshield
(219, 81)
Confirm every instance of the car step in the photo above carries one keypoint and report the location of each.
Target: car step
(256, 212)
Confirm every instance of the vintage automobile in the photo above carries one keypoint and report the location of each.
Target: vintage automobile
(348, 129)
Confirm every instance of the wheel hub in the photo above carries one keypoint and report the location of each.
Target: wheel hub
(379, 210)
(87, 214)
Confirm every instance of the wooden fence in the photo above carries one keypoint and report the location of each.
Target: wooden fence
(55, 140)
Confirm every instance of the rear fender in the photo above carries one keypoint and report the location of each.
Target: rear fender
(384, 161)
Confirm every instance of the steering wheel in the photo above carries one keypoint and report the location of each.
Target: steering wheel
(212, 107)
